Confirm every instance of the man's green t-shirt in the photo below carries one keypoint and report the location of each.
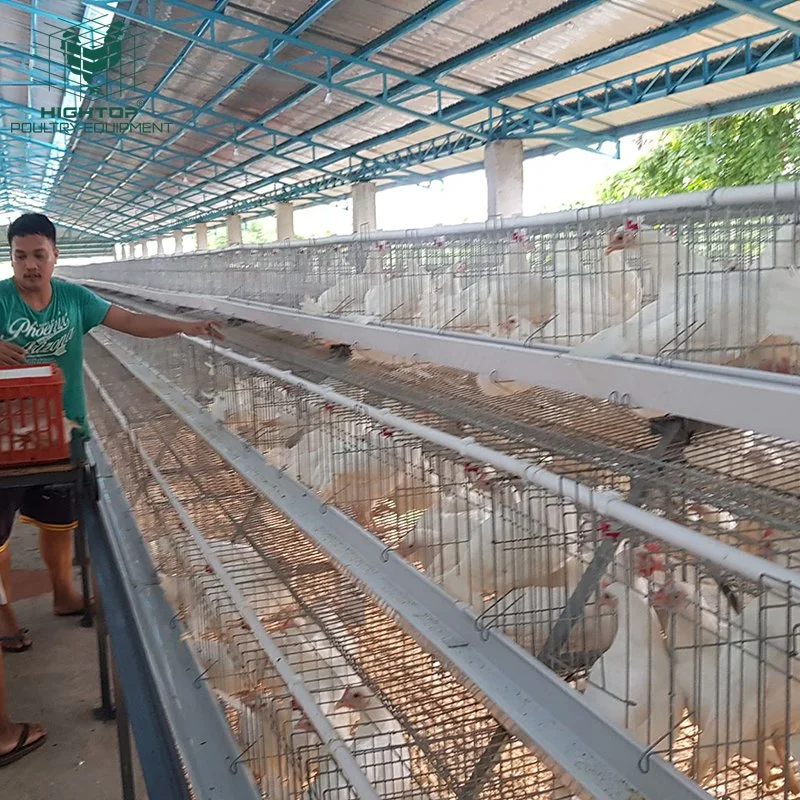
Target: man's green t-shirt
(55, 334)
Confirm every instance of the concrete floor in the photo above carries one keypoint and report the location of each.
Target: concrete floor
(56, 683)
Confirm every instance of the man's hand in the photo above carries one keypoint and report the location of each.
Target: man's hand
(11, 355)
(205, 328)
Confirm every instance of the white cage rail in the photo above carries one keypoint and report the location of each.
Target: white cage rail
(704, 284)
(532, 546)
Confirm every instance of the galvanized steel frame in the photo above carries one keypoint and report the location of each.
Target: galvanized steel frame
(530, 700)
(736, 398)
(730, 60)
(174, 712)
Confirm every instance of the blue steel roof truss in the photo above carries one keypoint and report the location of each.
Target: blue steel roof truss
(725, 62)
(128, 202)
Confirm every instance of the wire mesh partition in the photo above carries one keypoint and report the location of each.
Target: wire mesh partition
(695, 661)
(688, 280)
(415, 731)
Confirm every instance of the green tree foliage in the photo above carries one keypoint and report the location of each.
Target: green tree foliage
(755, 147)
(217, 237)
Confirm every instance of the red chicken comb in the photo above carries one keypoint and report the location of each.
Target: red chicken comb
(631, 225)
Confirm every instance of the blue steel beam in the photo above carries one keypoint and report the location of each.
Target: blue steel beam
(138, 197)
(187, 48)
(210, 130)
(601, 58)
(217, 38)
(738, 105)
(747, 7)
(137, 150)
(712, 66)
(302, 23)
(169, 107)
(539, 24)
(423, 125)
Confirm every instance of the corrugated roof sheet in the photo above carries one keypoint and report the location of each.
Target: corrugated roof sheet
(126, 186)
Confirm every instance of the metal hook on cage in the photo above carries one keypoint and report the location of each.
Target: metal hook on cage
(484, 628)
(202, 676)
(385, 553)
(644, 762)
(234, 767)
(174, 619)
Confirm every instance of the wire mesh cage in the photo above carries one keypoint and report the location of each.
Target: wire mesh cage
(715, 284)
(413, 728)
(694, 659)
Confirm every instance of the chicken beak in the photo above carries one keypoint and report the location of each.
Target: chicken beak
(612, 248)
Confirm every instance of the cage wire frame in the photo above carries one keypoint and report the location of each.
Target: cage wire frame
(471, 732)
(684, 565)
(747, 473)
(708, 275)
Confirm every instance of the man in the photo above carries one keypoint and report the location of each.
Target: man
(44, 320)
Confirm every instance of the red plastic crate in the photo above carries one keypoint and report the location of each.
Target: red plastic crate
(32, 425)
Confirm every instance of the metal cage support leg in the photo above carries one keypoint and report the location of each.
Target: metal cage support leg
(124, 740)
(87, 485)
(106, 710)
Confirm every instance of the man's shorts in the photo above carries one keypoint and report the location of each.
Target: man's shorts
(45, 506)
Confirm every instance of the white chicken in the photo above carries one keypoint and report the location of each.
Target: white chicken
(353, 470)
(443, 305)
(589, 300)
(694, 632)
(629, 685)
(756, 708)
(380, 747)
(345, 297)
(535, 610)
(531, 543)
(454, 519)
(719, 314)
(397, 298)
(324, 670)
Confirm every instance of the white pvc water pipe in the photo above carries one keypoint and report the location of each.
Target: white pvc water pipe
(607, 503)
(331, 740)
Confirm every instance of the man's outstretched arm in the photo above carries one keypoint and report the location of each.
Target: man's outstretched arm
(150, 326)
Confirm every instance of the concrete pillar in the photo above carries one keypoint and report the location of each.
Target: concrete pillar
(364, 215)
(503, 163)
(145, 248)
(201, 235)
(234, 223)
(178, 237)
(284, 217)
(159, 245)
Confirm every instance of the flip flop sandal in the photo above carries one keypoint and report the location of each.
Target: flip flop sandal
(22, 749)
(16, 643)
